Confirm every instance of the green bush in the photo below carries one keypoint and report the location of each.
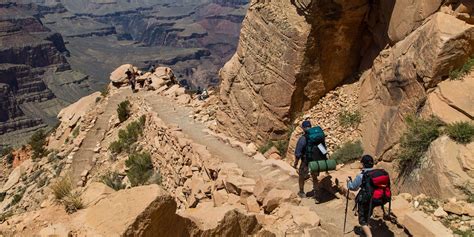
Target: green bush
(282, 147)
(128, 137)
(18, 196)
(416, 141)
(97, 99)
(7, 152)
(350, 119)
(76, 131)
(462, 132)
(62, 188)
(459, 73)
(37, 143)
(266, 147)
(123, 110)
(73, 202)
(113, 180)
(4, 216)
(348, 152)
(2, 196)
(139, 167)
(105, 91)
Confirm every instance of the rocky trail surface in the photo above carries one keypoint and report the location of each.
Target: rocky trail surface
(330, 210)
(83, 157)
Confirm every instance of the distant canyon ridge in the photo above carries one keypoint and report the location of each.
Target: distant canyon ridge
(53, 52)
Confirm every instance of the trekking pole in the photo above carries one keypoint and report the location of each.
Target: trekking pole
(347, 204)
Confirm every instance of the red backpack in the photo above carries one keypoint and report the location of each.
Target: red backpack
(375, 189)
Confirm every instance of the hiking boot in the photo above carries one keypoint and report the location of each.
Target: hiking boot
(310, 193)
(301, 194)
(359, 231)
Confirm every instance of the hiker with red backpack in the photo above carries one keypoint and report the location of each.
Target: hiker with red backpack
(374, 191)
(310, 147)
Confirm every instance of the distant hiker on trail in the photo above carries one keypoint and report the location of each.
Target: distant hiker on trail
(131, 79)
(204, 95)
(307, 150)
(152, 68)
(374, 191)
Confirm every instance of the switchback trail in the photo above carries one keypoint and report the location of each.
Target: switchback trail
(331, 211)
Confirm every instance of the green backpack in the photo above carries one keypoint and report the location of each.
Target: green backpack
(314, 137)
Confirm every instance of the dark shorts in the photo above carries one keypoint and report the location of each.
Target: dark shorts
(363, 213)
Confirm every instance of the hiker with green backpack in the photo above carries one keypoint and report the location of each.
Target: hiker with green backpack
(310, 147)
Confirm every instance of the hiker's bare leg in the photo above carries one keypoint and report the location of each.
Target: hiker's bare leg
(366, 230)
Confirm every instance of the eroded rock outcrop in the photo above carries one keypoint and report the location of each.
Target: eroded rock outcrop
(264, 87)
(396, 85)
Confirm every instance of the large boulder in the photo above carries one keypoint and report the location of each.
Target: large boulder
(452, 100)
(140, 211)
(119, 76)
(239, 185)
(446, 166)
(395, 86)
(276, 197)
(264, 87)
(420, 224)
(407, 15)
(70, 115)
(222, 221)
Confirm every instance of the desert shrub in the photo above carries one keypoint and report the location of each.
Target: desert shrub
(18, 196)
(348, 152)
(282, 146)
(128, 137)
(73, 202)
(4, 216)
(459, 73)
(62, 188)
(350, 119)
(58, 169)
(462, 132)
(41, 182)
(97, 99)
(76, 131)
(140, 168)
(123, 110)
(105, 91)
(467, 233)
(37, 143)
(7, 153)
(416, 141)
(113, 180)
(264, 148)
(35, 175)
(2, 196)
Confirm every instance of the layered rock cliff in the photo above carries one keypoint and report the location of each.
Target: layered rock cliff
(290, 54)
(35, 77)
